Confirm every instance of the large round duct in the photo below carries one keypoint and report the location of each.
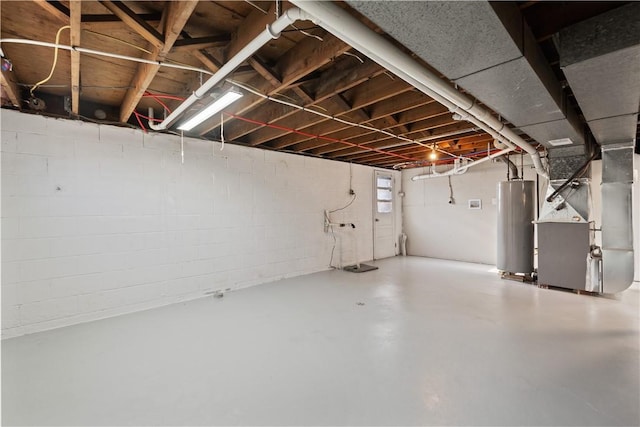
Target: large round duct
(516, 210)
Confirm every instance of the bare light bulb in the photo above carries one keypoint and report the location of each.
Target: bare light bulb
(433, 155)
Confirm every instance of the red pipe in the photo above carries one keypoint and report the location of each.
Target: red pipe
(140, 121)
(157, 98)
(157, 95)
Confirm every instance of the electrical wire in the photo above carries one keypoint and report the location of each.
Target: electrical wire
(333, 234)
(148, 118)
(174, 97)
(354, 55)
(222, 131)
(135, 113)
(307, 33)
(347, 205)
(326, 138)
(337, 119)
(55, 59)
(118, 40)
(256, 6)
(158, 99)
(167, 63)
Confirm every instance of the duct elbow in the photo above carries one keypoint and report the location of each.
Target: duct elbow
(617, 270)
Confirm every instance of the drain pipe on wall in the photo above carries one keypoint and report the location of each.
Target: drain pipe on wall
(338, 22)
(271, 32)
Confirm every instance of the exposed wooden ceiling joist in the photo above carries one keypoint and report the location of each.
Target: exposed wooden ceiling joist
(75, 12)
(290, 67)
(351, 76)
(137, 24)
(10, 88)
(322, 126)
(201, 42)
(55, 9)
(175, 18)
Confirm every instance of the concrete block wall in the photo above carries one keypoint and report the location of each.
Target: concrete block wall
(438, 229)
(100, 220)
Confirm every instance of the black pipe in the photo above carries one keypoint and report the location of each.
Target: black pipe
(576, 174)
(512, 166)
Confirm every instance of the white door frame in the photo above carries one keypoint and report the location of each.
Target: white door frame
(392, 214)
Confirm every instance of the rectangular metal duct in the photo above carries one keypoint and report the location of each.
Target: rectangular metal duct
(601, 59)
(487, 49)
(617, 217)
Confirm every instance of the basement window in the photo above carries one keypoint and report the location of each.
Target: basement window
(384, 194)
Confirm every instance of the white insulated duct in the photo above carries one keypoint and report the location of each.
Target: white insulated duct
(271, 32)
(338, 22)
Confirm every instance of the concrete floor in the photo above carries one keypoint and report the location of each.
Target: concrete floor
(419, 341)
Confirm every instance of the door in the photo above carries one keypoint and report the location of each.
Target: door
(384, 241)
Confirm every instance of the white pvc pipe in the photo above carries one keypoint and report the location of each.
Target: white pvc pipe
(344, 26)
(460, 171)
(271, 32)
(107, 54)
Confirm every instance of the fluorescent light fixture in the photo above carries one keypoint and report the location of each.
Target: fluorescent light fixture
(211, 109)
(560, 142)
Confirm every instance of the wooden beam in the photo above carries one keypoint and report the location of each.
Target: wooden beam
(309, 55)
(331, 82)
(264, 70)
(130, 18)
(75, 8)
(432, 111)
(346, 76)
(251, 26)
(207, 60)
(176, 15)
(96, 18)
(371, 93)
(10, 88)
(55, 9)
(201, 42)
(446, 132)
(299, 61)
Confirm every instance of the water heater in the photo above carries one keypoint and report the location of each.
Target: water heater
(516, 212)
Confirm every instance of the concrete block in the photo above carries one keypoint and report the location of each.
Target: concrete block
(144, 293)
(47, 310)
(78, 285)
(73, 129)
(9, 141)
(25, 249)
(45, 145)
(96, 150)
(22, 122)
(131, 138)
(23, 164)
(43, 269)
(96, 302)
(38, 290)
(159, 141)
(183, 286)
(40, 227)
(10, 227)
(10, 317)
